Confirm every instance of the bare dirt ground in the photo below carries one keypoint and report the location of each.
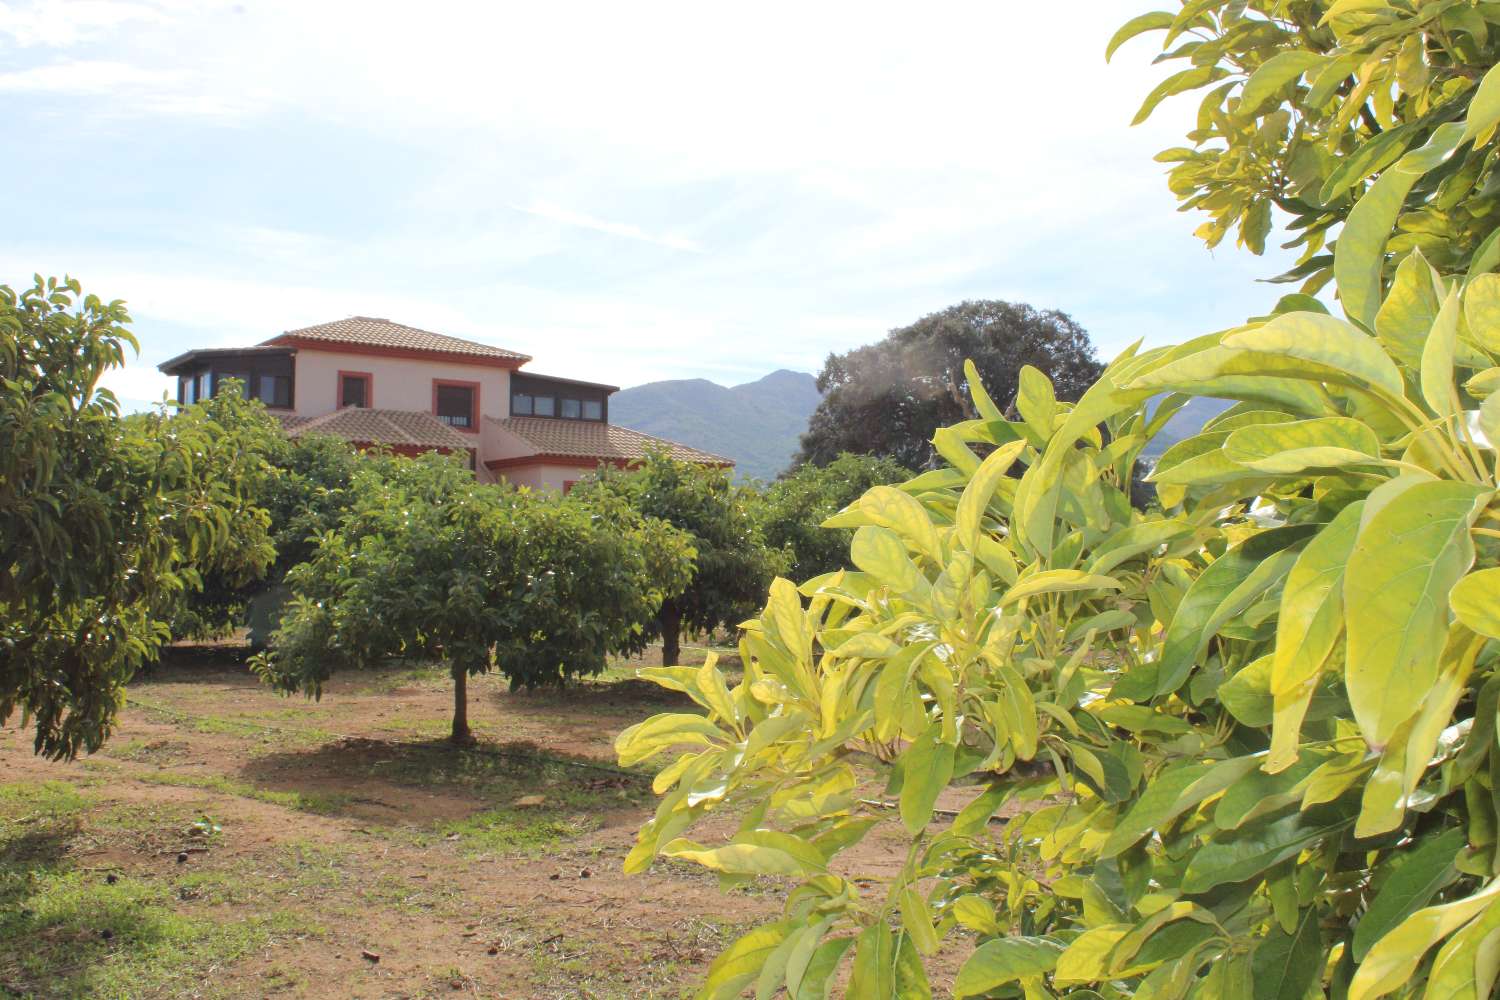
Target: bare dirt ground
(229, 842)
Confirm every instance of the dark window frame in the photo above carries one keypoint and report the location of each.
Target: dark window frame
(369, 382)
(474, 410)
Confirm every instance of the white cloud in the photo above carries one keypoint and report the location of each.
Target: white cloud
(60, 23)
(582, 220)
(84, 77)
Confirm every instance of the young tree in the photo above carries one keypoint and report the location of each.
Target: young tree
(797, 505)
(104, 523)
(732, 563)
(427, 563)
(888, 398)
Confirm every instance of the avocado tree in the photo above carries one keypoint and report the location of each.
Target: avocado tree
(798, 503)
(1241, 745)
(105, 523)
(427, 563)
(732, 564)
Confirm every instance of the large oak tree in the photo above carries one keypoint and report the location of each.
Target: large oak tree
(887, 399)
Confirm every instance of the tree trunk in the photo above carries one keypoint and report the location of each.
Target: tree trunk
(671, 633)
(461, 735)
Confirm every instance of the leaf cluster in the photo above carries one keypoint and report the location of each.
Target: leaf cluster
(1313, 107)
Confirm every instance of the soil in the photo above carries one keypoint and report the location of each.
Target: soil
(351, 819)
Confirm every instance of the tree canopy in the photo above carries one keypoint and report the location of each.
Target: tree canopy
(888, 398)
(732, 564)
(427, 563)
(797, 504)
(105, 523)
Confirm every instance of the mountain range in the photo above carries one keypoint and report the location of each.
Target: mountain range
(757, 424)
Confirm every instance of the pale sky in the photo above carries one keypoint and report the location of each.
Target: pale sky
(628, 192)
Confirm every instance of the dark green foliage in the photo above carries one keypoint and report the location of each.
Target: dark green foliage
(733, 564)
(105, 523)
(797, 505)
(429, 564)
(302, 484)
(888, 398)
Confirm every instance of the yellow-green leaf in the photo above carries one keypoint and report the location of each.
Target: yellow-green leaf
(1405, 561)
(1476, 602)
(1393, 959)
(1287, 448)
(1323, 340)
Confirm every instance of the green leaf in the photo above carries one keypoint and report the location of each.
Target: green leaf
(1323, 340)
(1437, 360)
(1057, 581)
(821, 967)
(1409, 310)
(1005, 960)
(741, 962)
(882, 554)
(1221, 592)
(646, 739)
(1247, 695)
(1482, 310)
(927, 767)
(1275, 73)
(1287, 448)
(1170, 794)
(1287, 965)
(1158, 20)
(1406, 560)
(1248, 852)
(1309, 624)
(1476, 602)
(902, 513)
(1416, 876)
(1484, 106)
(874, 973)
(981, 489)
(1359, 256)
(1393, 959)
(744, 858)
(1187, 79)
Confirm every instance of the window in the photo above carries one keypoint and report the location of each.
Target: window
(453, 403)
(572, 409)
(544, 406)
(520, 405)
(276, 390)
(355, 389)
(189, 389)
(593, 409)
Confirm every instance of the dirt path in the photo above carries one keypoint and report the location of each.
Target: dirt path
(320, 834)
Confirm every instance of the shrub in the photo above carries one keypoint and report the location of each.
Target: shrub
(797, 504)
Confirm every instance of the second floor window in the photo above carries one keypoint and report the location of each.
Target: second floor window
(354, 390)
(276, 390)
(454, 405)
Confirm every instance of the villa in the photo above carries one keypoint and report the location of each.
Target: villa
(377, 383)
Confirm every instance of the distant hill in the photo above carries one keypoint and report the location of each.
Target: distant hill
(756, 424)
(1185, 423)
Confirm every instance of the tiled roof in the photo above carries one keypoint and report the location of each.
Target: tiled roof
(390, 427)
(594, 439)
(369, 331)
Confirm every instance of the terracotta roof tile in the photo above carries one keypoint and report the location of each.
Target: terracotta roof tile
(373, 332)
(390, 427)
(593, 439)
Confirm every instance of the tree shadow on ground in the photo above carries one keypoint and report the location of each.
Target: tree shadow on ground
(351, 773)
